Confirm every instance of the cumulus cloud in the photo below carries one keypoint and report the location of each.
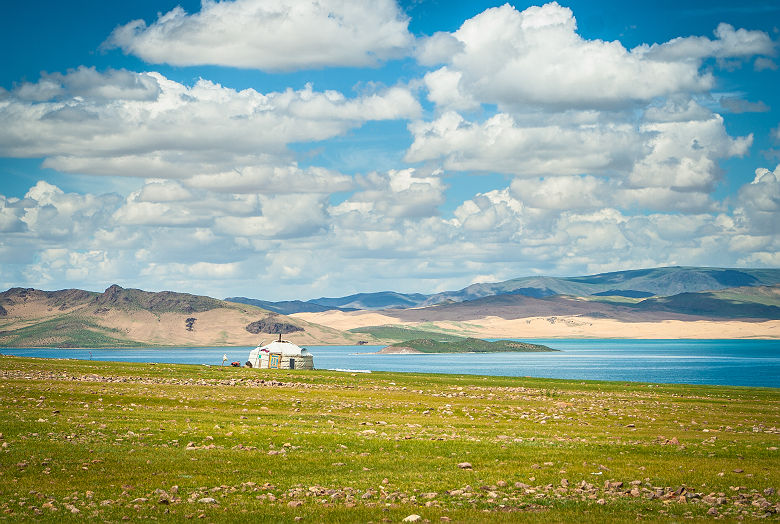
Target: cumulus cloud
(684, 154)
(181, 130)
(728, 43)
(277, 35)
(273, 179)
(87, 82)
(614, 154)
(738, 105)
(503, 144)
(495, 213)
(762, 64)
(759, 202)
(395, 194)
(535, 57)
(437, 48)
(563, 192)
(570, 106)
(170, 236)
(281, 217)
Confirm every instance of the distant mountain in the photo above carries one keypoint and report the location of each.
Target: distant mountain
(664, 281)
(285, 307)
(121, 317)
(754, 303)
(360, 301)
(632, 284)
(381, 300)
(759, 303)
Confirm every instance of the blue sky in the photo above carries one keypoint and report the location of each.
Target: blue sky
(293, 149)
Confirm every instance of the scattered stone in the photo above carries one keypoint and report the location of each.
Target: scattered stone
(712, 512)
(412, 518)
(462, 465)
(207, 500)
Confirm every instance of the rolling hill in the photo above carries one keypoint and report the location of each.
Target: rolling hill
(760, 303)
(640, 283)
(121, 317)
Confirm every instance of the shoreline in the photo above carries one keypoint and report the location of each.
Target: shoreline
(443, 375)
(519, 338)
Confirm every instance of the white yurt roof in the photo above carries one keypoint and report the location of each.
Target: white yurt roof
(287, 349)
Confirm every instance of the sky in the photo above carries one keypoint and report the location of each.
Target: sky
(293, 149)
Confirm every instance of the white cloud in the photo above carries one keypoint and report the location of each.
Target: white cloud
(444, 90)
(437, 48)
(182, 130)
(275, 35)
(729, 43)
(503, 144)
(738, 105)
(495, 213)
(684, 154)
(10, 215)
(158, 191)
(563, 192)
(536, 57)
(762, 64)
(759, 203)
(271, 247)
(282, 216)
(395, 194)
(273, 179)
(568, 106)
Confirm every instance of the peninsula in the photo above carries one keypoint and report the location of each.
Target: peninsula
(460, 345)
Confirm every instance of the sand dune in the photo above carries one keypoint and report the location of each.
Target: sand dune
(559, 326)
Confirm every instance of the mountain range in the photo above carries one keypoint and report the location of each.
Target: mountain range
(632, 284)
(120, 317)
(733, 303)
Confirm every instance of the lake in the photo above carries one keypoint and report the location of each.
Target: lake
(724, 362)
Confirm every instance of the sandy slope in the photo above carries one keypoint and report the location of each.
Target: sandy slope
(560, 326)
(217, 327)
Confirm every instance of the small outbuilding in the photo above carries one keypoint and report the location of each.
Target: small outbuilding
(280, 354)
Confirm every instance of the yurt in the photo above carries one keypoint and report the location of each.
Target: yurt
(280, 354)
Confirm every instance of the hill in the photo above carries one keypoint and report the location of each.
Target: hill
(760, 303)
(462, 345)
(632, 284)
(121, 317)
(359, 301)
(665, 281)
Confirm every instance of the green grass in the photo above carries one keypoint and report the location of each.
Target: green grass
(746, 297)
(110, 440)
(71, 330)
(469, 345)
(401, 334)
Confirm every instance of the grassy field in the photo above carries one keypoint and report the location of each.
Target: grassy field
(402, 334)
(115, 441)
(468, 345)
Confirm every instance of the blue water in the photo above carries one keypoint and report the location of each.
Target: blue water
(724, 362)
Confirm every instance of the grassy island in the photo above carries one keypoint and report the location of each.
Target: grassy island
(106, 442)
(462, 345)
